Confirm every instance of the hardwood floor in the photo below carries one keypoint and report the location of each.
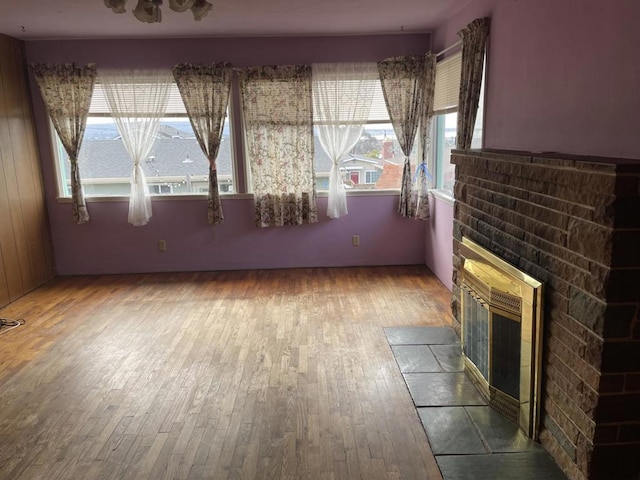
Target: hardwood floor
(282, 374)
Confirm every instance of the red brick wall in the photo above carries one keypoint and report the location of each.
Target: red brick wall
(574, 224)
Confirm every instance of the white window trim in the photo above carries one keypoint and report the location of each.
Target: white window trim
(180, 197)
(444, 195)
(172, 113)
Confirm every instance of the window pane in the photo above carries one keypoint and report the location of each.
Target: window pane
(445, 141)
(375, 162)
(476, 140)
(372, 176)
(175, 165)
(376, 158)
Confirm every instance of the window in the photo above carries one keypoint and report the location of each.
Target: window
(446, 119)
(175, 165)
(371, 176)
(444, 141)
(377, 152)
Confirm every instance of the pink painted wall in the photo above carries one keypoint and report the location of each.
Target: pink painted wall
(108, 244)
(439, 241)
(562, 77)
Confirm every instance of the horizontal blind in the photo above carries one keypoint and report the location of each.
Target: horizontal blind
(378, 112)
(100, 105)
(447, 89)
(175, 106)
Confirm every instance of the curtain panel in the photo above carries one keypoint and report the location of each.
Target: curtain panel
(66, 90)
(138, 101)
(278, 119)
(404, 84)
(474, 43)
(342, 96)
(205, 93)
(422, 178)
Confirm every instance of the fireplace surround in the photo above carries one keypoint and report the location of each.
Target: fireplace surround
(501, 327)
(573, 223)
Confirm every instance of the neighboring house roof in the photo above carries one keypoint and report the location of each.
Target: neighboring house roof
(361, 159)
(103, 155)
(109, 159)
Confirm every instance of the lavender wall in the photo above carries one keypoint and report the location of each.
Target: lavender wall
(439, 241)
(107, 244)
(561, 77)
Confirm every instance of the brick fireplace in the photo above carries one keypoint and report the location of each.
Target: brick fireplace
(574, 224)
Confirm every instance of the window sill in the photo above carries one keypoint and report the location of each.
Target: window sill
(444, 195)
(157, 198)
(231, 196)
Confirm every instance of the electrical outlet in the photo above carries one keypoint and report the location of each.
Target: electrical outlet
(162, 245)
(355, 240)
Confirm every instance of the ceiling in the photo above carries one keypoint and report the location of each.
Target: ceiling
(73, 19)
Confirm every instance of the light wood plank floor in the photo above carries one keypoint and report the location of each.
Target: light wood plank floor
(282, 374)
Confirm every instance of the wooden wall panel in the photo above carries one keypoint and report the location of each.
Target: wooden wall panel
(25, 246)
(12, 271)
(30, 187)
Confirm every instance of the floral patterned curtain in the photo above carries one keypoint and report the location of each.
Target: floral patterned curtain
(205, 92)
(422, 179)
(66, 90)
(278, 119)
(403, 84)
(474, 42)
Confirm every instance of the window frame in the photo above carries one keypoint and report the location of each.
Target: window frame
(368, 174)
(379, 96)
(59, 154)
(438, 124)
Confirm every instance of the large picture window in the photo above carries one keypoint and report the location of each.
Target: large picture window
(175, 165)
(377, 151)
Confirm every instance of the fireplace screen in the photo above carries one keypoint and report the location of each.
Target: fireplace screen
(501, 333)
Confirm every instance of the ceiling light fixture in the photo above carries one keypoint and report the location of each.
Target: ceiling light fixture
(148, 11)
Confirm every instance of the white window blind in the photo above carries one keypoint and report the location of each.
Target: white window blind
(99, 105)
(378, 112)
(447, 88)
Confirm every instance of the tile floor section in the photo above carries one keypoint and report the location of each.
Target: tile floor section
(469, 439)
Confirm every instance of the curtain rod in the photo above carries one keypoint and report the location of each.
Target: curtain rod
(450, 47)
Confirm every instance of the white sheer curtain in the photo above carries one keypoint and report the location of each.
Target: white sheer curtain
(138, 101)
(342, 95)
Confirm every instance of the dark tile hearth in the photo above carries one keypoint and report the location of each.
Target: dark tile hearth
(421, 336)
(442, 389)
(448, 357)
(536, 465)
(415, 358)
(469, 439)
(451, 431)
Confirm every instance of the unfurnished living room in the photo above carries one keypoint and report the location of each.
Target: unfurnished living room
(319, 240)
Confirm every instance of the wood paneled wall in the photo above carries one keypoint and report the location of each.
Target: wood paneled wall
(25, 245)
